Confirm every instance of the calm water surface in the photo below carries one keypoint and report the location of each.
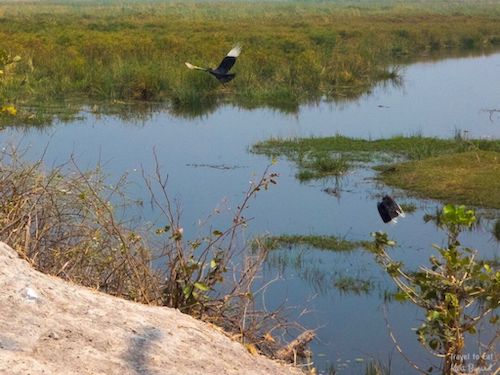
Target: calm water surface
(435, 99)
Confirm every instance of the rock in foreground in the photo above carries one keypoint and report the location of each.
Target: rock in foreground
(50, 326)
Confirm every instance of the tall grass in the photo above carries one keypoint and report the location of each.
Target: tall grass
(293, 52)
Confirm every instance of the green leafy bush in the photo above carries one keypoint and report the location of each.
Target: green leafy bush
(456, 291)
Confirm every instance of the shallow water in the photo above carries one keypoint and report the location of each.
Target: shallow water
(208, 163)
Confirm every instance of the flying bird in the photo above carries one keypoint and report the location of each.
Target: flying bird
(389, 210)
(222, 71)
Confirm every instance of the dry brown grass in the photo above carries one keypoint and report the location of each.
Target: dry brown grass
(64, 224)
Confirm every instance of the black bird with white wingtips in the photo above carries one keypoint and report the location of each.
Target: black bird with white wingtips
(389, 210)
(222, 71)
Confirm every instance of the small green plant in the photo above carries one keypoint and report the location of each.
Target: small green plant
(456, 292)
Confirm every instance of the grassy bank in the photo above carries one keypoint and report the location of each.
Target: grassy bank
(471, 178)
(454, 170)
(292, 52)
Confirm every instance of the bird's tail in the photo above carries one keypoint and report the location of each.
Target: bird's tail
(191, 66)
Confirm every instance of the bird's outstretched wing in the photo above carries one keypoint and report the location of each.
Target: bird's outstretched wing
(389, 210)
(228, 61)
(191, 66)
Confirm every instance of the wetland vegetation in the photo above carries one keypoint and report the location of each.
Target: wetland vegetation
(456, 291)
(331, 243)
(455, 170)
(128, 58)
(471, 178)
(322, 277)
(293, 52)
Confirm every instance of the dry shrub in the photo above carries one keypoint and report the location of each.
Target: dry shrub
(63, 223)
(72, 223)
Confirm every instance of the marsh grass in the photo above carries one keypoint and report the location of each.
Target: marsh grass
(291, 251)
(334, 156)
(378, 368)
(330, 243)
(293, 52)
(471, 178)
(322, 278)
(352, 285)
(357, 149)
(457, 170)
(319, 165)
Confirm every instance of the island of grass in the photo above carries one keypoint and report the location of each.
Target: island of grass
(471, 178)
(462, 171)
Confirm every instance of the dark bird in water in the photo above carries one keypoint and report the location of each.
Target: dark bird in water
(222, 71)
(389, 210)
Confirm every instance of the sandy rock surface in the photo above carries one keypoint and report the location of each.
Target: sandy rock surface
(49, 326)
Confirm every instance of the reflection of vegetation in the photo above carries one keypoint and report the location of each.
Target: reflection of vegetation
(469, 177)
(331, 243)
(322, 278)
(193, 106)
(349, 284)
(377, 368)
(293, 52)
